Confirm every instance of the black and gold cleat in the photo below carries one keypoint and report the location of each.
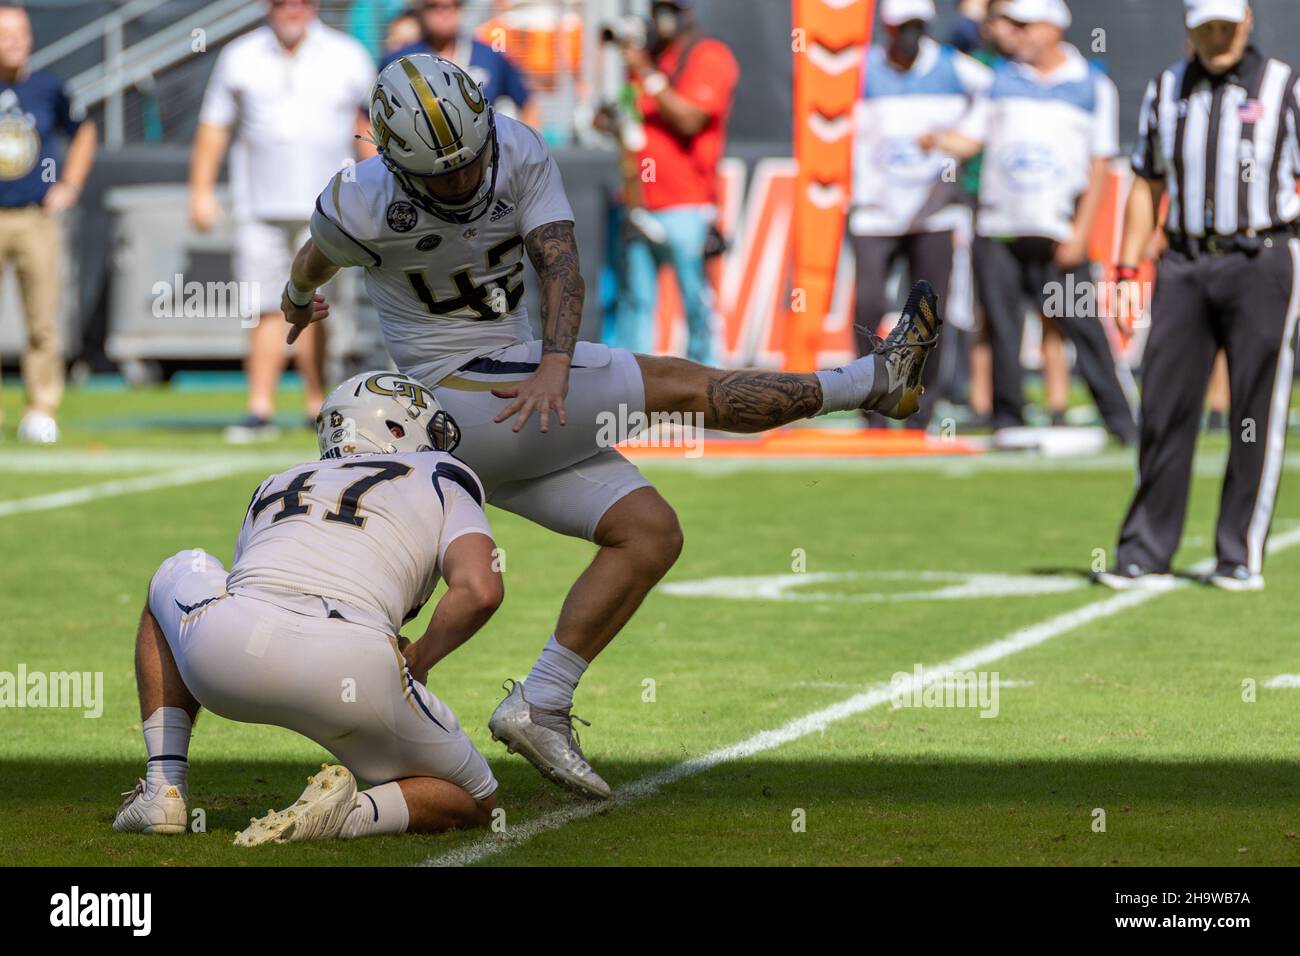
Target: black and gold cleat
(900, 359)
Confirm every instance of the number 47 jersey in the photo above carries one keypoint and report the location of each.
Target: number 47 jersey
(446, 292)
(366, 534)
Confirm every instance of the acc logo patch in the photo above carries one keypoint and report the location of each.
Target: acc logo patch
(401, 216)
(429, 243)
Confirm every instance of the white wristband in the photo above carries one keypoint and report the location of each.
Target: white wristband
(654, 84)
(290, 288)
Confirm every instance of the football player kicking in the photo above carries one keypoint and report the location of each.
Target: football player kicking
(302, 632)
(441, 221)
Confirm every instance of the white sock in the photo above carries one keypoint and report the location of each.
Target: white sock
(554, 678)
(167, 739)
(847, 387)
(379, 810)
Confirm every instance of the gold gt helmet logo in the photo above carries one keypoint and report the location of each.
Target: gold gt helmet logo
(397, 386)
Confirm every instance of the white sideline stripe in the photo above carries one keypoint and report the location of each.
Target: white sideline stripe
(819, 720)
(108, 489)
(50, 461)
(64, 461)
(1283, 680)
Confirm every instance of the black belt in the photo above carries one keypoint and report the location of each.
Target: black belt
(1249, 243)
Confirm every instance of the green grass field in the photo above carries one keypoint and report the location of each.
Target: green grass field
(1134, 709)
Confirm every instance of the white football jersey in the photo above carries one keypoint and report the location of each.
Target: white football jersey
(365, 532)
(446, 292)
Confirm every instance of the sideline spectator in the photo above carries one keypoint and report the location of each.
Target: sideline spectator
(907, 204)
(503, 83)
(289, 96)
(35, 111)
(1049, 125)
(403, 30)
(686, 85)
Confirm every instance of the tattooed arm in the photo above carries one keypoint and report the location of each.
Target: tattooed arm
(553, 251)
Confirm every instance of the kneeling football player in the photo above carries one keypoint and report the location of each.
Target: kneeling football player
(302, 631)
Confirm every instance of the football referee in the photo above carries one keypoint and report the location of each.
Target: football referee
(1218, 133)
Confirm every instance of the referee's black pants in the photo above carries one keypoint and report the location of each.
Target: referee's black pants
(1247, 306)
(929, 256)
(1007, 272)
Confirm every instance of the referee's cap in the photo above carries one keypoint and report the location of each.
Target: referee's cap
(897, 12)
(1200, 12)
(1054, 12)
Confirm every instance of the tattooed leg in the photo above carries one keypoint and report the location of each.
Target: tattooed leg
(746, 400)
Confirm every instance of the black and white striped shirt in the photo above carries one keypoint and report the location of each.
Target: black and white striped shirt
(1227, 147)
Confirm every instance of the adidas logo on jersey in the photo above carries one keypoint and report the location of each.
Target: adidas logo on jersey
(500, 211)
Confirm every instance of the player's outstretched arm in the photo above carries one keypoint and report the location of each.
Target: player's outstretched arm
(553, 251)
(474, 592)
(301, 303)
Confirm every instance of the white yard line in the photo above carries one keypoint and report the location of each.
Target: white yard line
(123, 486)
(819, 720)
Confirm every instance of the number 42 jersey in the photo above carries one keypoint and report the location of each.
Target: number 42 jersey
(446, 292)
(367, 533)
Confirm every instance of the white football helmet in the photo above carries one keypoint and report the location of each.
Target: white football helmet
(383, 413)
(429, 118)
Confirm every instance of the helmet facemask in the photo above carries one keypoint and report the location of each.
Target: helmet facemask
(412, 183)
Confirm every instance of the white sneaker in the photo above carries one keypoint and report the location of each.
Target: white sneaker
(546, 739)
(251, 430)
(1135, 578)
(1235, 578)
(37, 428)
(317, 815)
(162, 812)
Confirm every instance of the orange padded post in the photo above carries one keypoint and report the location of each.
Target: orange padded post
(829, 45)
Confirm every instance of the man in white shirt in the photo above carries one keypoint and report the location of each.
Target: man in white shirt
(907, 203)
(1048, 127)
(287, 98)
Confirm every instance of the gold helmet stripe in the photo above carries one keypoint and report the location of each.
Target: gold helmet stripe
(445, 139)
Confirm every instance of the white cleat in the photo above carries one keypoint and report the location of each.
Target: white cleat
(37, 428)
(162, 812)
(317, 815)
(546, 739)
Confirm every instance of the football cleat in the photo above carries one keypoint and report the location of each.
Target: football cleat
(547, 740)
(1235, 577)
(37, 428)
(316, 815)
(162, 812)
(900, 359)
(1133, 577)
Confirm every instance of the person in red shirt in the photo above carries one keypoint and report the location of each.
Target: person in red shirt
(686, 86)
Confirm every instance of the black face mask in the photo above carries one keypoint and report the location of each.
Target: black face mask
(907, 43)
(666, 25)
